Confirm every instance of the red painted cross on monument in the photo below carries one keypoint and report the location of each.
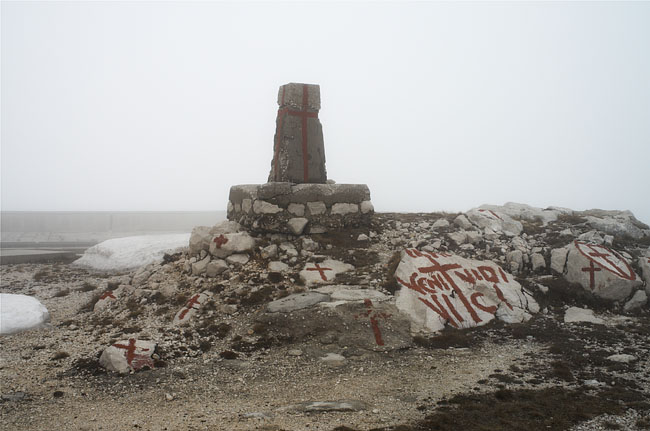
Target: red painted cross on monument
(299, 154)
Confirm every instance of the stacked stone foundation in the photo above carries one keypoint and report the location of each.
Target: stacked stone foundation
(300, 208)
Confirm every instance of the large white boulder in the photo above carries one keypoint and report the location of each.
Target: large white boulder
(644, 263)
(497, 221)
(440, 289)
(600, 270)
(527, 212)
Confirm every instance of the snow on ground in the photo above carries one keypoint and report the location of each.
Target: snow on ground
(121, 254)
(20, 313)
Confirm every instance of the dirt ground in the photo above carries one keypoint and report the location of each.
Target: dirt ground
(50, 378)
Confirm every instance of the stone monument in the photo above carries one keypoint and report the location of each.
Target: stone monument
(297, 197)
(299, 154)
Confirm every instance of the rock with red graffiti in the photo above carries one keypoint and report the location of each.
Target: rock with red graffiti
(107, 298)
(601, 271)
(443, 289)
(202, 236)
(128, 355)
(192, 306)
(496, 221)
(223, 245)
(324, 272)
(644, 264)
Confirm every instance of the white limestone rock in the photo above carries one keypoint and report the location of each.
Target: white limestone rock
(349, 293)
(277, 266)
(462, 222)
(644, 264)
(497, 221)
(440, 223)
(193, 305)
(269, 252)
(601, 271)
(297, 225)
(344, 208)
(264, 207)
(638, 300)
(528, 213)
(201, 266)
(366, 207)
(296, 209)
(577, 315)
(558, 259)
(238, 259)
(224, 245)
(324, 272)
(309, 244)
(316, 208)
(440, 289)
(128, 355)
(537, 261)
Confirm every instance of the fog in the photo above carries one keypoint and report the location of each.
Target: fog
(146, 106)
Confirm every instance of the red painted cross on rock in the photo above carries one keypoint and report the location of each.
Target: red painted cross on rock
(135, 360)
(304, 115)
(607, 259)
(107, 294)
(591, 269)
(374, 315)
(220, 240)
(320, 270)
(190, 304)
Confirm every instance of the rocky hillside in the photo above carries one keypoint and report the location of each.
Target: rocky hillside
(517, 316)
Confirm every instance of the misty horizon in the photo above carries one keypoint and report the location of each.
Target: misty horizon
(158, 106)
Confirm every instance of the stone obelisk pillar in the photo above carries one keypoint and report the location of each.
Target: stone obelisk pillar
(299, 153)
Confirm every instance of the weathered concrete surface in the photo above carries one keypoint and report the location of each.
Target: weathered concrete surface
(299, 152)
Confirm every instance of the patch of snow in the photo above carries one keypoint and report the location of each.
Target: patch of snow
(20, 313)
(121, 254)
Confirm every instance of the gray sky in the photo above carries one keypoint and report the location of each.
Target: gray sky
(436, 106)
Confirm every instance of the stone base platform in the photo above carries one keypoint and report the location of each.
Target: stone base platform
(299, 208)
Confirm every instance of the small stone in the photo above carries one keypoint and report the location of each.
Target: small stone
(169, 397)
(238, 259)
(333, 359)
(623, 358)
(344, 208)
(575, 315)
(363, 237)
(269, 252)
(316, 208)
(294, 352)
(440, 223)
(296, 209)
(638, 300)
(277, 266)
(297, 225)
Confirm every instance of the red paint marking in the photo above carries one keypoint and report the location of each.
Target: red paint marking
(444, 271)
(491, 212)
(591, 269)
(373, 322)
(626, 272)
(220, 240)
(429, 281)
(108, 294)
(491, 309)
(190, 304)
(304, 115)
(320, 270)
(131, 356)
